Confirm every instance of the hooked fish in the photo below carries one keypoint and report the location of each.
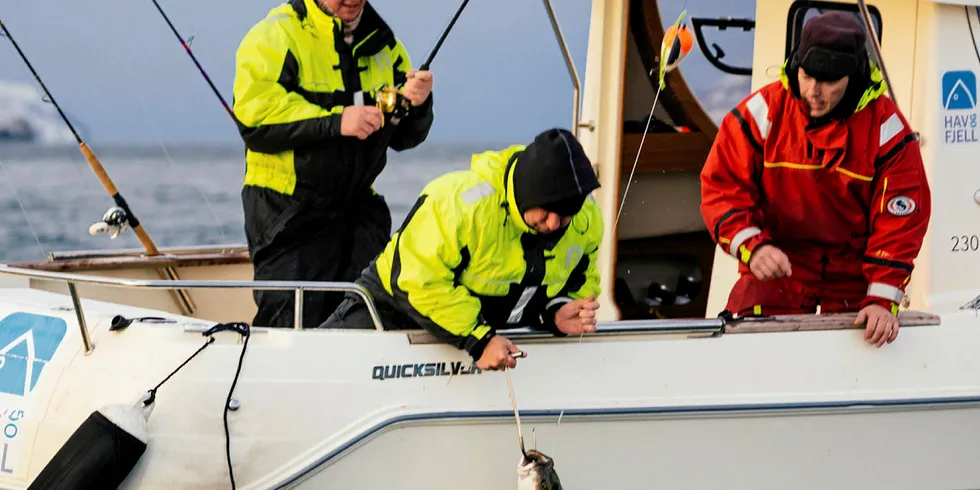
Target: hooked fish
(536, 471)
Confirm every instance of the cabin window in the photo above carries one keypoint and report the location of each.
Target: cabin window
(802, 11)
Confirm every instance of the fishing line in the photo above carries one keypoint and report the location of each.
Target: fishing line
(670, 57)
(187, 48)
(187, 179)
(170, 161)
(122, 207)
(517, 414)
(638, 152)
(23, 209)
(221, 228)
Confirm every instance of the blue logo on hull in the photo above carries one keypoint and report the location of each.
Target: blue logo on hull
(959, 90)
(27, 344)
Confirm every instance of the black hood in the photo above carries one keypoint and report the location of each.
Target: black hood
(554, 173)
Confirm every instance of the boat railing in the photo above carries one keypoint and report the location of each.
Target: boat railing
(298, 288)
(710, 327)
(572, 73)
(621, 327)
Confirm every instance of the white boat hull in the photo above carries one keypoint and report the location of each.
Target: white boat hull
(792, 409)
(785, 409)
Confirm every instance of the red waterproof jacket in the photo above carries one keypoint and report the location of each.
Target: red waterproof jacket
(847, 201)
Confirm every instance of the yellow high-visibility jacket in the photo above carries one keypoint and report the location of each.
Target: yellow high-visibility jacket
(464, 263)
(294, 77)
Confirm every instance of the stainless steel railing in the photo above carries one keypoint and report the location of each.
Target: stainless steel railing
(620, 327)
(297, 286)
(572, 73)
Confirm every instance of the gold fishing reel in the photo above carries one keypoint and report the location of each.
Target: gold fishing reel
(391, 102)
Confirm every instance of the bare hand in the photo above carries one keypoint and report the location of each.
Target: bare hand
(496, 355)
(360, 121)
(769, 262)
(577, 317)
(417, 86)
(882, 325)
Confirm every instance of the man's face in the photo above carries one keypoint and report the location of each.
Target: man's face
(821, 97)
(347, 10)
(545, 222)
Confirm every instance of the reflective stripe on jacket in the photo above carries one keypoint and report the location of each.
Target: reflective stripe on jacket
(464, 263)
(846, 200)
(294, 76)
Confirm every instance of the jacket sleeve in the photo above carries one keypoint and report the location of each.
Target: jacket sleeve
(899, 213)
(414, 128)
(583, 281)
(271, 116)
(729, 179)
(428, 247)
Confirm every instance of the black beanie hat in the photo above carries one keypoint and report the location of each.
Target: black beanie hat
(832, 46)
(553, 173)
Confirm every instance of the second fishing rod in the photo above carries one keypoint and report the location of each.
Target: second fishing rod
(121, 216)
(389, 99)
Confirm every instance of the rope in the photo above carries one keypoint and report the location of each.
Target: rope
(244, 330)
(153, 391)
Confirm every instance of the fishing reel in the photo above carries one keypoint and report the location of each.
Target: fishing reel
(115, 222)
(391, 102)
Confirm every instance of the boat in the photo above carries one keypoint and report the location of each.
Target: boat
(666, 394)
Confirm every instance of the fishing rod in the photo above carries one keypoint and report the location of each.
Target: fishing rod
(389, 100)
(120, 216)
(187, 48)
(442, 38)
(869, 31)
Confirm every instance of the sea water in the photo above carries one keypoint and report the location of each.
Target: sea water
(183, 195)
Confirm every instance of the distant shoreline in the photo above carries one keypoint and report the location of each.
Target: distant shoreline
(198, 150)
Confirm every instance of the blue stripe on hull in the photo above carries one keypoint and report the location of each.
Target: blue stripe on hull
(950, 402)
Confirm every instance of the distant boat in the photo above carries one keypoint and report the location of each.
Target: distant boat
(18, 130)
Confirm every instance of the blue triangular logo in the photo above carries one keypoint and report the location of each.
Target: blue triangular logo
(959, 90)
(27, 344)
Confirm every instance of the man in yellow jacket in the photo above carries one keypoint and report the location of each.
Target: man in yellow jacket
(512, 242)
(306, 80)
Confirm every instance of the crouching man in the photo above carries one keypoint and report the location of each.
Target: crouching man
(512, 242)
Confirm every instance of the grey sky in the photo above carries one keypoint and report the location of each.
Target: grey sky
(117, 68)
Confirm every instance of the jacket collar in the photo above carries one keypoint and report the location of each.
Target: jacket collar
(371, 35)
(876, 87)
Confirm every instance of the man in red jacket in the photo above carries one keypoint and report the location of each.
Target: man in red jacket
(815, 183)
